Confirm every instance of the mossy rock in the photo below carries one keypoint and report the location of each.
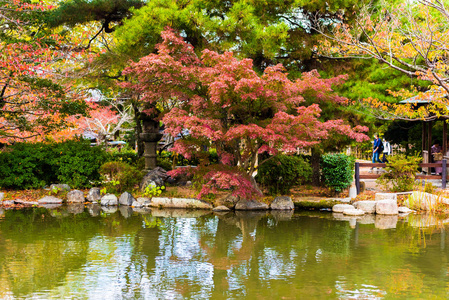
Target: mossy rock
(315, 205)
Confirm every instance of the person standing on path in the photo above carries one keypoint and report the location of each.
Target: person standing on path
(376, 150)
(387, 151)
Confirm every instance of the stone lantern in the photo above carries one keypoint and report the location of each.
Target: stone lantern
(150, 137)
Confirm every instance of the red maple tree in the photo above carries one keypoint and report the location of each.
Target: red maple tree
(224, 104)
(33, 104)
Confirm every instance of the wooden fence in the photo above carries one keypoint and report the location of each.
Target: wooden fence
(441, 164)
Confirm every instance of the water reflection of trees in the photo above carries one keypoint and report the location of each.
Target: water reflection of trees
(166, 254)
(314, 255)
(39, 247)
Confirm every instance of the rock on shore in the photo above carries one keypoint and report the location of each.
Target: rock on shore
(282, 203)
(164, 202)
(109, 200)
(250, 205)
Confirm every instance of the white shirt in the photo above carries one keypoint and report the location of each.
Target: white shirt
(387, 148)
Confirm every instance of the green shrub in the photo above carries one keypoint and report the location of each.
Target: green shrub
(120, 176)
(165, 163)
(337, 171)
(281, 172)
(140, 164)
(125, 154)
(400, 173)
(24, 166)
(34, 165)
(78, 163)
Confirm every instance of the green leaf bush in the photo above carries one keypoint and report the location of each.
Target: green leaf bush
(125, 154)
(34, 165)
(120, 177)
(280, 173)
(78, 163)
(400, 173)
(337, 171)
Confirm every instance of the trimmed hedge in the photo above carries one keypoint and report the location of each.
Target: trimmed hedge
(34, 165)
(337, 171)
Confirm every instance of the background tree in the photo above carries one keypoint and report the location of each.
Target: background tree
(109, 13)
(32, 103)
(106, 119)
(409, 37)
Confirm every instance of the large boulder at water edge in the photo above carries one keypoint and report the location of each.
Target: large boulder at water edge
(229, 201)
(424, 201)
(126, 199)
(367, 206)
(244, 204)
(163, 202)
(94, 195)
(141, 202)
(49, 200)
(387, 207)
(221, 208)
(339, 208)
(153, 178)
(282, 203)
(109, 200)
(2, 195)
(75, 196)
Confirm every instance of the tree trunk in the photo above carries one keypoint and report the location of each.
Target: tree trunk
(255, 185)
(315, 162)
(138, 131)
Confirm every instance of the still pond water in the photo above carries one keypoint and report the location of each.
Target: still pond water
(89, 253)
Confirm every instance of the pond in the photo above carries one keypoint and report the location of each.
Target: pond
(79, 252)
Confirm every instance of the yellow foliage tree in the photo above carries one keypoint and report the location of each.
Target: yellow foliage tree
(412, 37)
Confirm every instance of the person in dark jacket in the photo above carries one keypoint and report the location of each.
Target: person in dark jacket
(377, 149)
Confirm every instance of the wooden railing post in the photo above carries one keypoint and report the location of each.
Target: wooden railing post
(357, 177)
(443, 174)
